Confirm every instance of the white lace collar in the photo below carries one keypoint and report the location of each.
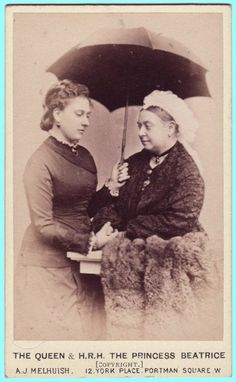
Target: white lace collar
(61, 140)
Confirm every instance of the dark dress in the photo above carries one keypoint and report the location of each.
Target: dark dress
(52, 300)
(59, 184)
(169, 206)
(158, 286)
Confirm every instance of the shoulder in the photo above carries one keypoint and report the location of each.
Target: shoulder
(185, 164)
(40, 161)
(41, 154)
(184, 159)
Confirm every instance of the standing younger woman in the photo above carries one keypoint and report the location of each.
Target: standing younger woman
(52, 301)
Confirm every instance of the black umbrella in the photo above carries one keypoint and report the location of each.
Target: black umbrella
(121, 66)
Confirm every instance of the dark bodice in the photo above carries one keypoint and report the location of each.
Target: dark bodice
(59, 184)
(169, 206)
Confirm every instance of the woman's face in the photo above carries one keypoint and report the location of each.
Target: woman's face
(153, 132)
(74, 118)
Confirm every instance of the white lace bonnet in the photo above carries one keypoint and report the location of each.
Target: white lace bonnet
(181, 113)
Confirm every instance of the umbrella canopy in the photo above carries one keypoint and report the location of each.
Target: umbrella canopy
(121, 66)
(117, 64)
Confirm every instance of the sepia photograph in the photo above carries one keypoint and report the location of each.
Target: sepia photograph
(118, 160)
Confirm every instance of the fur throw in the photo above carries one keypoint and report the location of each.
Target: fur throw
(160, 289)
(122, 275)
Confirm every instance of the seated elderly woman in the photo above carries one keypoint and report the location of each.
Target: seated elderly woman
(165, 192)
(154, 271)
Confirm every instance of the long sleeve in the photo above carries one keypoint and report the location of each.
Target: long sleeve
(110, 214)
(39, 191)
(99, 200)
(179, 216)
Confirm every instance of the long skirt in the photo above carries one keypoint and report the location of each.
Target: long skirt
(57, 304)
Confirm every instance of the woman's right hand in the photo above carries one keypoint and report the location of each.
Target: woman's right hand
(105, 234)
(119, 176)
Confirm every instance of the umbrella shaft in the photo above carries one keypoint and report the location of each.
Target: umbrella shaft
(124, 131)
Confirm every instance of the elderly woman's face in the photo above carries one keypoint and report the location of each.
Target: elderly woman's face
(74, 118)
(153, 132)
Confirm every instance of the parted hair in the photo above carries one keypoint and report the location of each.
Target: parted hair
(58, 96)
(163, 115)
